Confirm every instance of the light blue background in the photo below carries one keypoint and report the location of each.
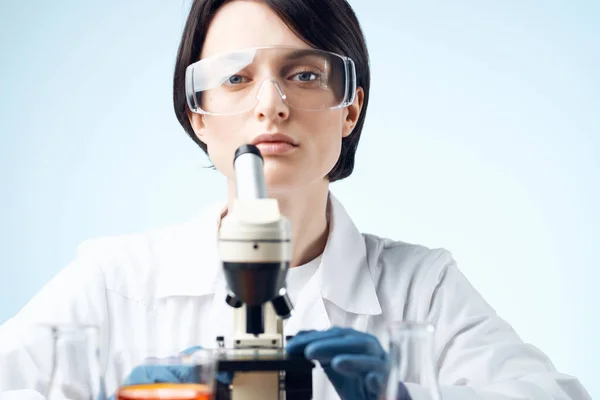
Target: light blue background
(482, 137)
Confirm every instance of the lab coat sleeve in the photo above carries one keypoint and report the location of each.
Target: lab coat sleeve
(479, 355)
(76, 295)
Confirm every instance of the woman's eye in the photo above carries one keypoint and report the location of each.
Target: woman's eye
(305, 76)
(235, 80)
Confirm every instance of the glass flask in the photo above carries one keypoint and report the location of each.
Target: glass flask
(166, 374)
(67, 358)
(412, 371)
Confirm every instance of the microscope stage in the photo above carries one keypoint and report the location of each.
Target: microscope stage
(239, 360)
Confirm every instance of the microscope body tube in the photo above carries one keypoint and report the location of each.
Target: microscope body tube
(249, 175)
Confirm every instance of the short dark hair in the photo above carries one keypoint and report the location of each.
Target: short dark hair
(329, 25)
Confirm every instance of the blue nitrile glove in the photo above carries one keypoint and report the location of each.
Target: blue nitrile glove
(354, 361)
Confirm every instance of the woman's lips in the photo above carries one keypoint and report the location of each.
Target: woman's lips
(275, 148)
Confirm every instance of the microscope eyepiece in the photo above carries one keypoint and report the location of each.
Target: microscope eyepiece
(245, 149)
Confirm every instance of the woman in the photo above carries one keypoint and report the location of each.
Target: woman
(300, 102)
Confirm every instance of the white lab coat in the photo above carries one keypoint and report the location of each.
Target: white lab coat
(166, 286)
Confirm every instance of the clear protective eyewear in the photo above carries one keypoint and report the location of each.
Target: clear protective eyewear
(306, 79)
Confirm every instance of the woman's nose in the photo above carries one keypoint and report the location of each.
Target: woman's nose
(270, 101)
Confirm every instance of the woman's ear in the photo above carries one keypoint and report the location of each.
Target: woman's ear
(198, 125)
(353, 112)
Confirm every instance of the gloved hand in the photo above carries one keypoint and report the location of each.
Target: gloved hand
(354, 362)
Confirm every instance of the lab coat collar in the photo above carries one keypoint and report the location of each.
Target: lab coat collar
(344, 275)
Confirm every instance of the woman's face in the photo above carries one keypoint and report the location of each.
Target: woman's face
(317, 135)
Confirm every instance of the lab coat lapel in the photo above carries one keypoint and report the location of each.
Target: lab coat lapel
(342, 292)
(346, 278)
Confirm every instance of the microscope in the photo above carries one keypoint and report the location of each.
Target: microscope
(255, 249)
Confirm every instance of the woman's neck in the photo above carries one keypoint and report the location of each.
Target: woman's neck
(306, 209)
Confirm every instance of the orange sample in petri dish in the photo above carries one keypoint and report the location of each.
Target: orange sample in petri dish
(165, 391)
